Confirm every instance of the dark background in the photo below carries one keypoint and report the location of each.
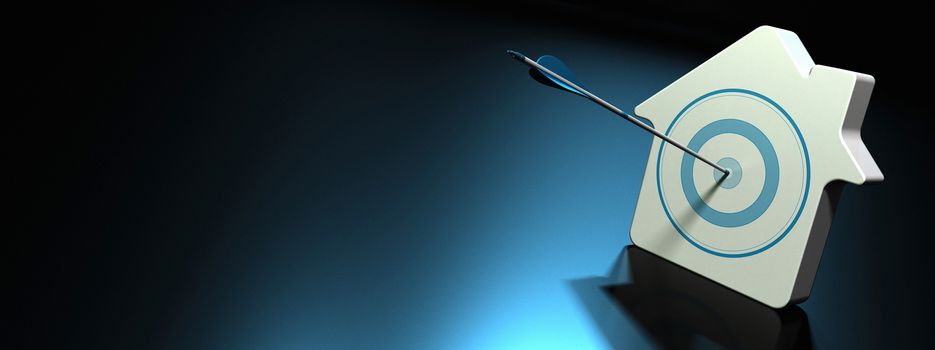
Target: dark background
(367, 175)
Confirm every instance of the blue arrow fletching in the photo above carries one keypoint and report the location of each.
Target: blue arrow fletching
(558, 67)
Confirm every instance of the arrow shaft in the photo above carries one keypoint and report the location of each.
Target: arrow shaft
(621, 113)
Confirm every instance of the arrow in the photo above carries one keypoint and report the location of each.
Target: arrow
(556, 74)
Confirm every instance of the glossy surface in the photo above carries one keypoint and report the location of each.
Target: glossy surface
(300, 177)
(675, 308)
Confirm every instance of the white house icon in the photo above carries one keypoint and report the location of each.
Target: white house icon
(789, 130)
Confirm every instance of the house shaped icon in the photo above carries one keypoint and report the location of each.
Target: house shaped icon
(788, 130)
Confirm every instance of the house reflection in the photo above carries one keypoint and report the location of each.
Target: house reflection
(677, 309)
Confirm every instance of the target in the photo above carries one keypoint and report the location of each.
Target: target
(762, 198)
(783, 129)
(730, 190)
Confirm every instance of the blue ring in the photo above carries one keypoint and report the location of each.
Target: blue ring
(808, 172)
(770, 181)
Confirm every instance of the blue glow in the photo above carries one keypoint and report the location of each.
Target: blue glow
(454, 223)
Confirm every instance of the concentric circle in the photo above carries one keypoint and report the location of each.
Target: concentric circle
(770, 183)
(758, 204)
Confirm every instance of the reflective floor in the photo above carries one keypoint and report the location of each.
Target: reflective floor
(674, 308)
(339, 176)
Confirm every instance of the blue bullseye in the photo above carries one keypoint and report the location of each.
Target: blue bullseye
(770, 182)
(736, 173)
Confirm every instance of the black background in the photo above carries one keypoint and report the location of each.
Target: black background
(136, 120)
